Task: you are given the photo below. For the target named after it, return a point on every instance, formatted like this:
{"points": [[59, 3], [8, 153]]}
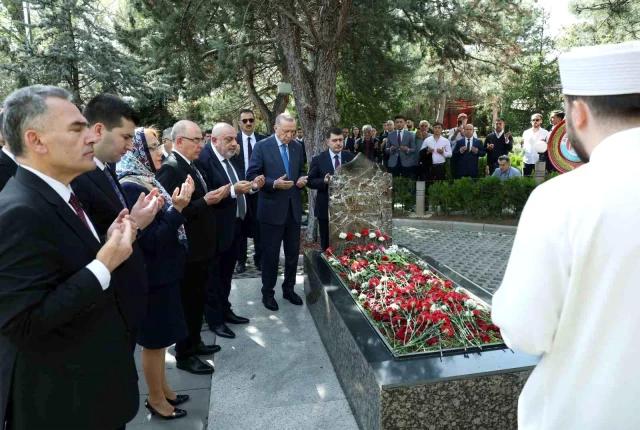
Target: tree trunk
{"points": [[314, 84], [442, 100]]}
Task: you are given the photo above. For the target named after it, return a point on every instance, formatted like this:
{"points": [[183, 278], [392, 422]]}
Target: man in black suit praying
{"points": [[323, 166]]}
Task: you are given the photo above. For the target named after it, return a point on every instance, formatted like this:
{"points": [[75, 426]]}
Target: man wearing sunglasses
{"points": [[247, 139], [529, 139]]}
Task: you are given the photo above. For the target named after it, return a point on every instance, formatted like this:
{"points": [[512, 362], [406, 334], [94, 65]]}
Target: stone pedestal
{"points": [[474, 391]]}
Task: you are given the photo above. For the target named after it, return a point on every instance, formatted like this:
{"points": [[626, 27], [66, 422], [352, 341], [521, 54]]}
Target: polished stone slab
{"points": [[414, 392]]}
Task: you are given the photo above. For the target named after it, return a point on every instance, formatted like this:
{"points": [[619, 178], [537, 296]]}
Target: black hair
{"points": [[109, 110], [333, 130]]}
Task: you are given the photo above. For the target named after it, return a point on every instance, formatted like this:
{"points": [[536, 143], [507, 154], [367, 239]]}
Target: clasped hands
{"points": [[243, 187], [282, 183]]}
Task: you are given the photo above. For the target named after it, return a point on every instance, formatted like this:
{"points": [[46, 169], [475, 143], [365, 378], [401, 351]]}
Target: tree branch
{"points": [[297, 23]]}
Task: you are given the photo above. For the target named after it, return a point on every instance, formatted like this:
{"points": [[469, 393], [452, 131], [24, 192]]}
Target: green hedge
{"points": [[484, 197]]}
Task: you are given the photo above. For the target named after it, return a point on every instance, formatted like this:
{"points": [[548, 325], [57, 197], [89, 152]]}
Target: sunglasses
{"points": [[248, 120]]}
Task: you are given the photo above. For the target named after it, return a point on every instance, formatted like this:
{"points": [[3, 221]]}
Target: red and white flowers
{"points": [[412, 307]]}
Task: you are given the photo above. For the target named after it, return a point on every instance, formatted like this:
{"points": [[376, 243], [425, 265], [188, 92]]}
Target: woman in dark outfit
{"points": [[164, 245]]}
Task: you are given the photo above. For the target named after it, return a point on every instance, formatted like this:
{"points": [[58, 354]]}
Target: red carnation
{"points": [[364, 232], [350, 236]]}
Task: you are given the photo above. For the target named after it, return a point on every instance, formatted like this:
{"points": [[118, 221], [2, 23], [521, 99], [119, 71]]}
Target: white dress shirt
{"points": [[245, 148], [529, 140], [570, 294], [96, 267], [442, 142]]}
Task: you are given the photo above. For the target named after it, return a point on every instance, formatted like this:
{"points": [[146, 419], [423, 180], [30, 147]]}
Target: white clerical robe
{"points": [[571, 293]]}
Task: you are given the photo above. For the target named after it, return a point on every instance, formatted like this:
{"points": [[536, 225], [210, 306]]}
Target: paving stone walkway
{"points": [[480, 256]]}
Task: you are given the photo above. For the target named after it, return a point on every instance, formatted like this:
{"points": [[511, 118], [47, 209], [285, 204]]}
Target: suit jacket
{"points": [[322, 164], [252, 199], [101, 203], [266, 160], [225, 211], [466, 164], [200, 225], [393, 149], [71, 365], [7, 168], [500, 147]]}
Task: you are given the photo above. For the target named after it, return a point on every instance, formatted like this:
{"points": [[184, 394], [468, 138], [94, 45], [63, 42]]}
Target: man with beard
{"points": [[575, 258]]}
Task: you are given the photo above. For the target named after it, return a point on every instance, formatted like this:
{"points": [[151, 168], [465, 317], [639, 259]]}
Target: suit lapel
{"points": [[98, 178], [62, 208]]}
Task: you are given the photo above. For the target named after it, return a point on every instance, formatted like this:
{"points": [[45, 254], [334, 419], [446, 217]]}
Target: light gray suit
{"points": [[407, 159]]}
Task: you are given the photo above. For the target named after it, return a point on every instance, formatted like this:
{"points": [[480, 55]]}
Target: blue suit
{"points": [[466, 164], [279, 211]]}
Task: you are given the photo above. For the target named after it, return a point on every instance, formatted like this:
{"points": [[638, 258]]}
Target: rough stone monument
{"points": [[360, 196]]}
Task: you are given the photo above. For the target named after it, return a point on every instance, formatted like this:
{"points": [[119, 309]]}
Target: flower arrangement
{"points": [[413, 308]]}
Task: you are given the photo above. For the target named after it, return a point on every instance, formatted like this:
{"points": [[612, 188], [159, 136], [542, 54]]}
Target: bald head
{"points": [[223, 137]]}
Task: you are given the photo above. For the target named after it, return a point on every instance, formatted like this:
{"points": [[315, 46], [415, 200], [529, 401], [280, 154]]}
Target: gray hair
{"points": [[284, 117], [166, 133], [366, 128], [179, 128], [23, 109]]}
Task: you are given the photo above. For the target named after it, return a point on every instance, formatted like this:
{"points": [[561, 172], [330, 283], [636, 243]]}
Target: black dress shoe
{"points": [[203, 349], [223, 331], [177, 413], [194, 365], [180, 399], [241, 268], [270, 303], [232, 318], [293, 298]]}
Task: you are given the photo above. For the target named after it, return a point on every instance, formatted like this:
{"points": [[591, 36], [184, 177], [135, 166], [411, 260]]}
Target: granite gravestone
{"points": [[359, 197]]}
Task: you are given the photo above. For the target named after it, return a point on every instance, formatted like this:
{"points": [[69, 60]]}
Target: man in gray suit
{"points": [[402, 150]]}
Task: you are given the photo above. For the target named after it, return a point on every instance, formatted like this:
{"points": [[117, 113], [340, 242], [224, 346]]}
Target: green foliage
{"points": [[404, 193], [611, 21], [481, 198]]}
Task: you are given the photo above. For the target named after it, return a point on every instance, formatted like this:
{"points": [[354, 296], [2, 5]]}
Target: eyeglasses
{"points": [[193, 139], [536, 120], [248, 120]]}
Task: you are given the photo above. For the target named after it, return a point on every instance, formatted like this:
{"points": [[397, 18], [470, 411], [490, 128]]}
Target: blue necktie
{"points": [[285, 159]]}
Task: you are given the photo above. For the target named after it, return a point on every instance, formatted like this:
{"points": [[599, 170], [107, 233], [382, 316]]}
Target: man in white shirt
{"points": [[63, 340], [530, 138], [440, 149], [570, 291]]}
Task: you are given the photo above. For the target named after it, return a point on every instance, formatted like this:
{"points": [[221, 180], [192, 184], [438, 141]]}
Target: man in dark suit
{"points": [[201, 233], [65, 361], [8, 163], [465, 155], [247, 139], [279, 159], [496, 144], [112, 122], [215, 161], [323, 166]]}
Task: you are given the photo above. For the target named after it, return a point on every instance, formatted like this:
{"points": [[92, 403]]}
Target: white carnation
{"points": [[470, 303], [357, 235], [381, 239], [372, 235], [354, 292], [433, 308], [384, 279], [444, 308], [394, 306], [364, 285], [468, 313], [362, 297], [342, 235]]}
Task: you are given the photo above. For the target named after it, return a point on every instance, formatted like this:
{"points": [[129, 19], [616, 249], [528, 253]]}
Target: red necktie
{"points": [[336, 163], [77, 207]]}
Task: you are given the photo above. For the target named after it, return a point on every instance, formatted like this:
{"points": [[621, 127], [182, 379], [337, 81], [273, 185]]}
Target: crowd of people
{"points": [[117, 234], [421, 154]]}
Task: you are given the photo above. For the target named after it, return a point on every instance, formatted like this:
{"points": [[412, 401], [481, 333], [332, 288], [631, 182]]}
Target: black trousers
{"points": [[529, 169], [251, 229], [323, 224], [219, 284], [287, 234], [192, 291], [438, 172]]}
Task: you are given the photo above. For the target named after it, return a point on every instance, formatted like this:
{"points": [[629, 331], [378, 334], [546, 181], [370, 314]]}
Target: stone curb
{"points": [[455, 225]]}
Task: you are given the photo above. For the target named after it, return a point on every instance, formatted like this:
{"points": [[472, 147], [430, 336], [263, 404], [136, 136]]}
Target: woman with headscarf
{"points": [[164, 245]]}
